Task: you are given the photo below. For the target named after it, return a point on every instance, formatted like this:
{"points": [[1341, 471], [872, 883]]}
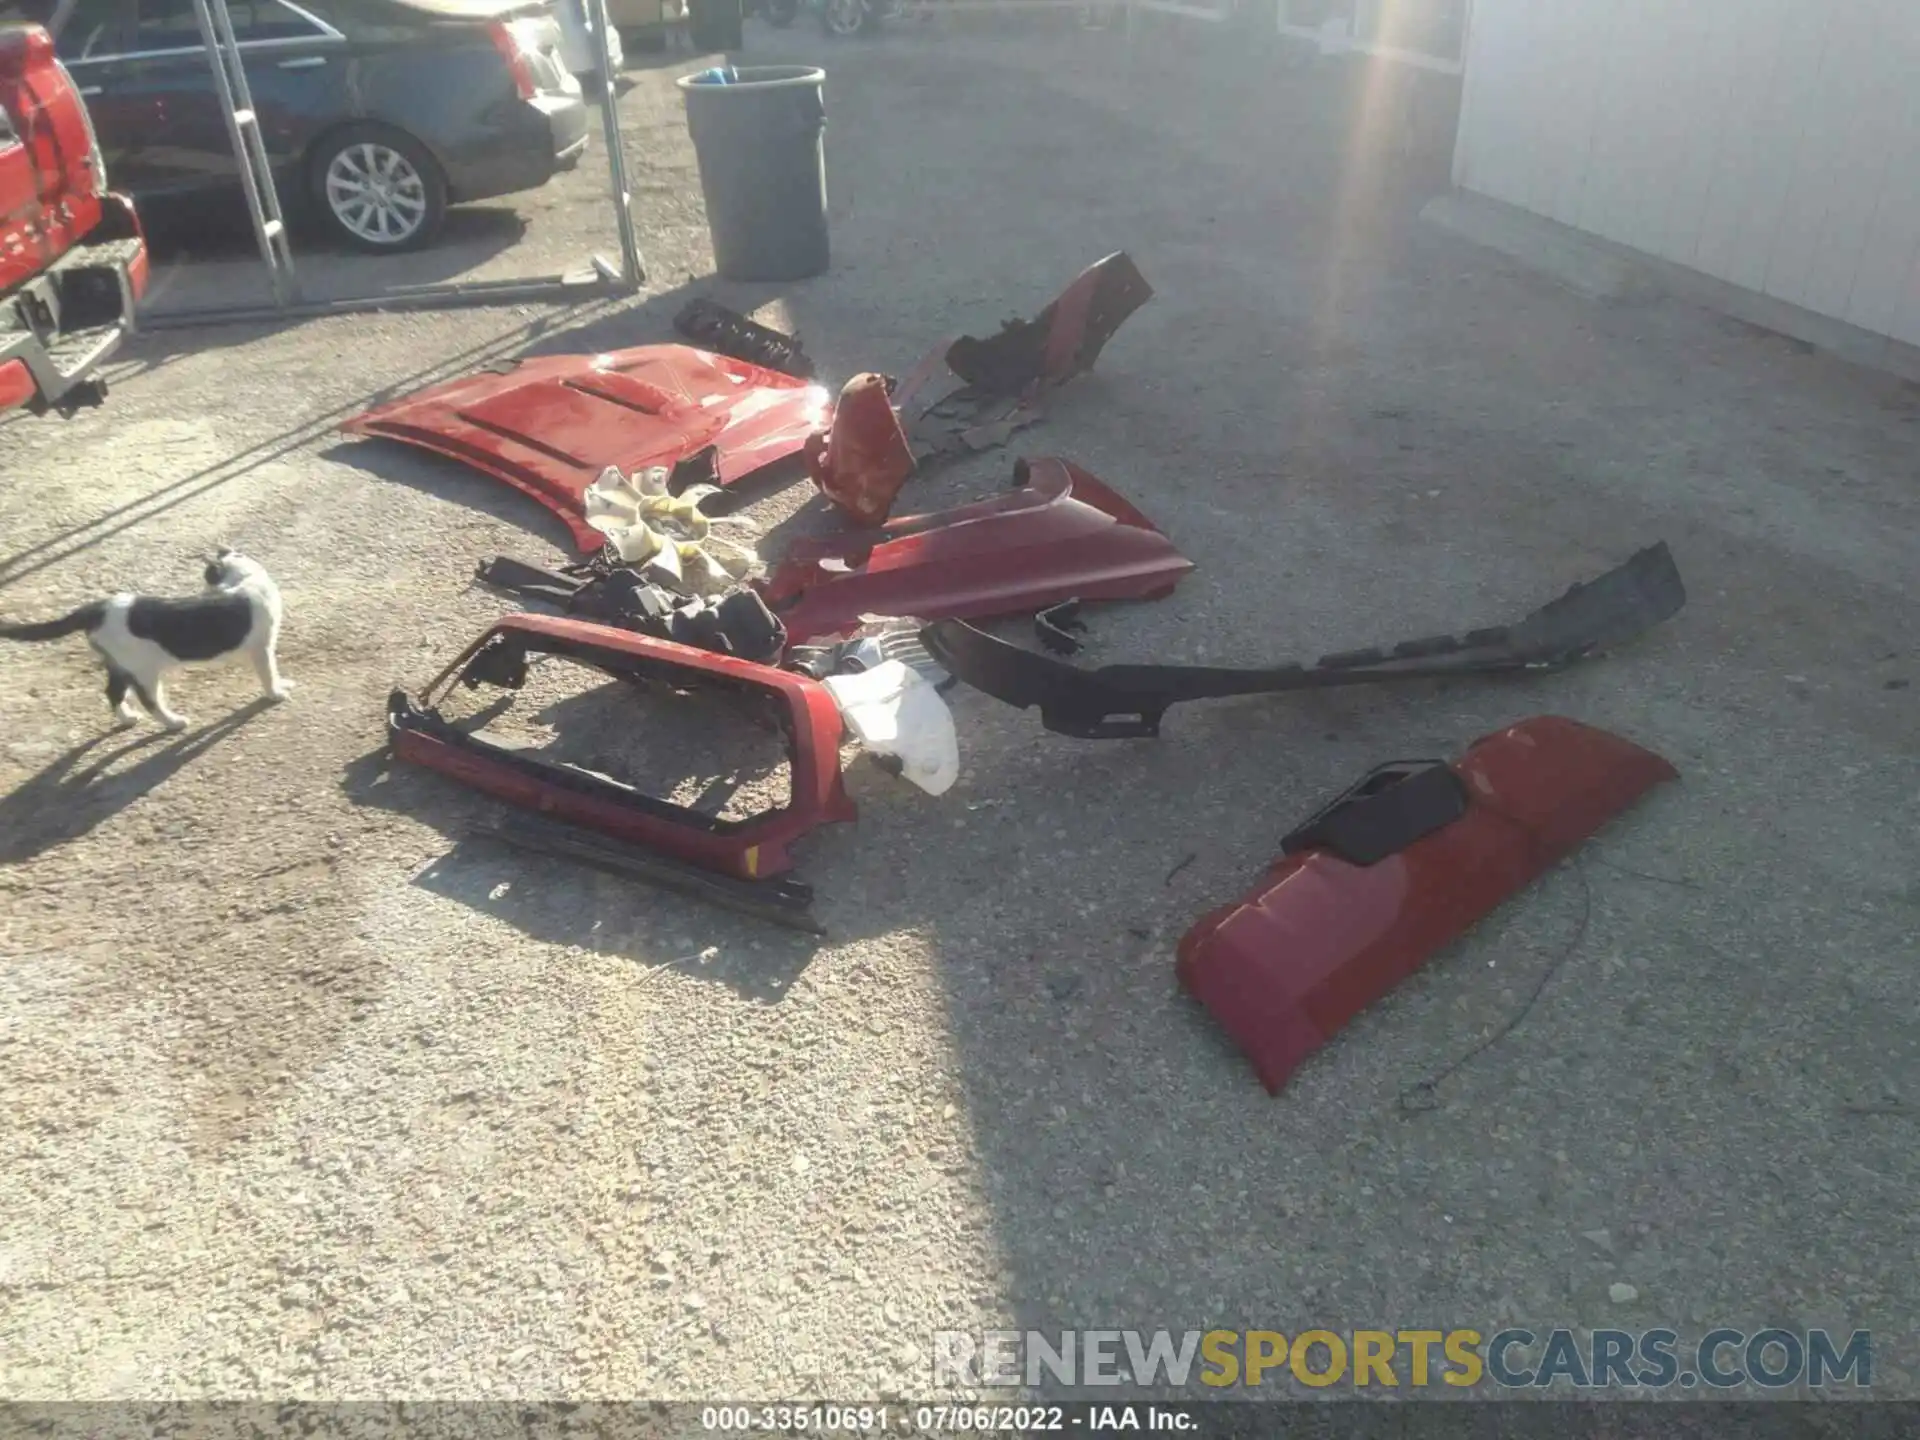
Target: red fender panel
{"points": [[1064, 535], [1284, 969], [549, 425]]}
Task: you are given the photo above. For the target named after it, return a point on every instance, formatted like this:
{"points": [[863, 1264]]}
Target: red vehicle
{"points": [[73, 262]]}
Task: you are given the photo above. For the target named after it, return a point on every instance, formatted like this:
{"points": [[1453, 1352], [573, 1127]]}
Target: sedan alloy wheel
{"points": [[377, 195]]}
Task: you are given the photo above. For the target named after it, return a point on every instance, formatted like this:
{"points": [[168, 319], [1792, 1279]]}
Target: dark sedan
{"points": [[377, 114]]}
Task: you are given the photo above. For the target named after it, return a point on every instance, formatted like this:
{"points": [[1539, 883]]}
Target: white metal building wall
{"points": [[1774, 144]]}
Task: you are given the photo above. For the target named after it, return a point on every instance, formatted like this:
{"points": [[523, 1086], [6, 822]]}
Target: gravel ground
{"points": [[306, 1092]]}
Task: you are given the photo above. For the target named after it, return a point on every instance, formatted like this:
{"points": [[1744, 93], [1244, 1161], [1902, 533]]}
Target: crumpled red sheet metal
{"points": [[549, 425], [863, 460], [1322, 937], [749, 849], [1064, 535], [971, 394], [1063, 339]]}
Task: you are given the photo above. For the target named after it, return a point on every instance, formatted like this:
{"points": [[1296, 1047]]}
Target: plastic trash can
{"points": [[759, 133]]}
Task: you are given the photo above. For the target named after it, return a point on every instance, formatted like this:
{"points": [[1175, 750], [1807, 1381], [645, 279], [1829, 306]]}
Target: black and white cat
{"points": [[143, 639]]}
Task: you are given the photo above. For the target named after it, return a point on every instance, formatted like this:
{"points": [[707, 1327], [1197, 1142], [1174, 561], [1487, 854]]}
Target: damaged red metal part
{"points": [[748, 849], [1063, 339], [1064, 535], [1320, 939], [863, 460], [971, 394], [549, 425]]}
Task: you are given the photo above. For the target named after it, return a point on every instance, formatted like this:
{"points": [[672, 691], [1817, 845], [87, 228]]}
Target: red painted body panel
{"points": [[58, 232], [551, 424], [16, 384], [49, 191], [1319, 940], [1063, 536], [862, 462], [750, 849]]}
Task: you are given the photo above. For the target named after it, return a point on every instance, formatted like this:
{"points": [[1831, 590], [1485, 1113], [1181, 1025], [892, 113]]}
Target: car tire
{"points": [[376, 189]]}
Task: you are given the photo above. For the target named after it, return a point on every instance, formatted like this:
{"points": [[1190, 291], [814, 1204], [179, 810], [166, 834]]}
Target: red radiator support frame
{"points": [[748, 849]]}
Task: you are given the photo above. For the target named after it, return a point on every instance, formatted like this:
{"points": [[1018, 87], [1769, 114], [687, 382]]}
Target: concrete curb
{"points": [[1562, 254], [1604, 271]]}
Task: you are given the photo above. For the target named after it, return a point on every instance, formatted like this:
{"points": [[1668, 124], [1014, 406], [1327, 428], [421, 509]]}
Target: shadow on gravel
{"points": [[207, 258], [563, 903], [447, 479], [81, 788], [579, 329], [58, 548]]}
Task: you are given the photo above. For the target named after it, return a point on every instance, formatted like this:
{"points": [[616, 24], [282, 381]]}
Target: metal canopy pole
{"points": [[633, 269], [243, 133], [600, 279]]}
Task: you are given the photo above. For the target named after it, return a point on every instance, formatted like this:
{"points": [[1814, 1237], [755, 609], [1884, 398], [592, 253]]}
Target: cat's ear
{"points": [[216, 568]]}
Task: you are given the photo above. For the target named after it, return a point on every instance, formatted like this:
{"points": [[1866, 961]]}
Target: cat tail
{"points": [[87, 617]]}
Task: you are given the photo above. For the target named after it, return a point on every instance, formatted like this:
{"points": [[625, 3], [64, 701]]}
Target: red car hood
{"points": [[550, 425]]}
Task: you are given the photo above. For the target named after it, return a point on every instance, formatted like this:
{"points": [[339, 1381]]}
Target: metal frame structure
{"points": [[601, 279]]}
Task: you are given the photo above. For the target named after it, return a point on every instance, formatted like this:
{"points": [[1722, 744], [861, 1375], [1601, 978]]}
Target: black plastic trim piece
{"points": [[712, 325], [1388, 809], [1128, 701], [738, 624], [1055, 628]]}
